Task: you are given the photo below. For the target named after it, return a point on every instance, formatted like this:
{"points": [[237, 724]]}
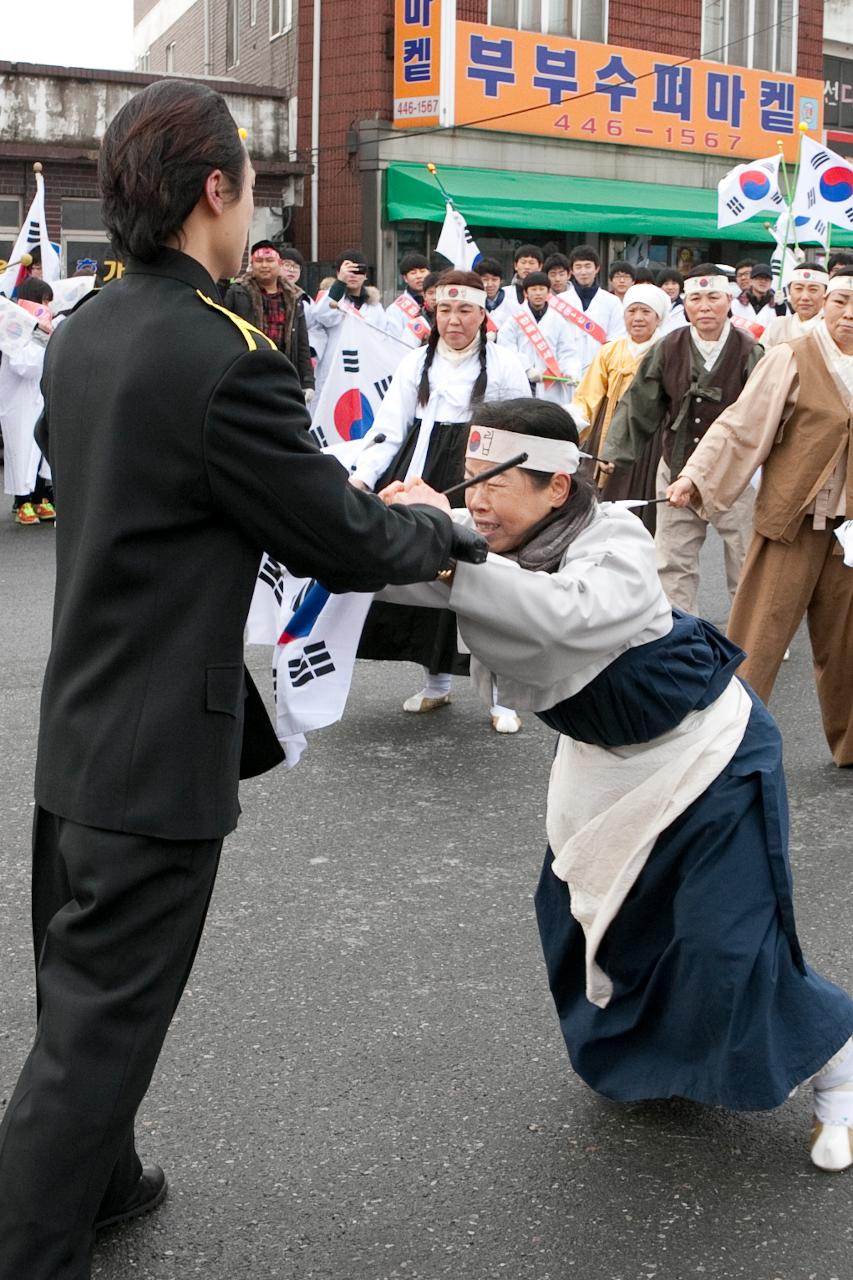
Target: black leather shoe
{"points": [[149, 1191]]}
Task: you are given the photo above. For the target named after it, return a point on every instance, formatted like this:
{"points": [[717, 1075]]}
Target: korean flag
{"points": [[749, 189], [824, 186]]}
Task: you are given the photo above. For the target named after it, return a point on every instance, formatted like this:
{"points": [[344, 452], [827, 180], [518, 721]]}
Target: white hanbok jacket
{"points": [[606, 310], [21, 404], [565, 346]]}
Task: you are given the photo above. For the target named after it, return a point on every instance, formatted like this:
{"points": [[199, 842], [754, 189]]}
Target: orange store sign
{"points": [[417, 62], [522, 82]]}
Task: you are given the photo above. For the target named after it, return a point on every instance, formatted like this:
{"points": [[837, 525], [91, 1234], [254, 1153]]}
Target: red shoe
{"points": [[45, 510]]}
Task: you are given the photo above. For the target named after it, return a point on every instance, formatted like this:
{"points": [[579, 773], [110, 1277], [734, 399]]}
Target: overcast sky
{"points": [[86, 33]]}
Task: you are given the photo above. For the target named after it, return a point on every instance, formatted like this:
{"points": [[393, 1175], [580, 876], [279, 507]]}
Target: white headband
{"points": [[461, 293], [650, 296], [839, 282], [809, 275], [492, 445], [706, 284]]}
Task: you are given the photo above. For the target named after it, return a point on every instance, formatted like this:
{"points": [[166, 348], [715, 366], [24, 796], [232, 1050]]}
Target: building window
{"points": [[751, 33], [10, 225], [170, 56], [83, 234], [253, 12], [281, 17], [232, 33], [143, 62], [580, 19]]}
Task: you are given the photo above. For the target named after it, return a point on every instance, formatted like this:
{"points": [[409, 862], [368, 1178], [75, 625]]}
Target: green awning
{"points": [[545, 201]]}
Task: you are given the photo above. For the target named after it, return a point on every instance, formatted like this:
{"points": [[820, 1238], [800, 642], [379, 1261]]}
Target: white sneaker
{"points": [[506, 723], [420, 702], [831, 1146]]}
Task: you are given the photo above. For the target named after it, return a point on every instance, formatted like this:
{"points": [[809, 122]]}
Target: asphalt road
{"points": [[365, 1080]]}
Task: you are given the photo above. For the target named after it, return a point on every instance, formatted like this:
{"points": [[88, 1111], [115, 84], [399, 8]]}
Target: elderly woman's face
{"points": [[640, 321], [505, 508]]}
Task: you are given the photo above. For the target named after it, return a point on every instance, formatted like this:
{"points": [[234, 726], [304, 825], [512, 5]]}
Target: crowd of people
{"points": [[665, 904]]}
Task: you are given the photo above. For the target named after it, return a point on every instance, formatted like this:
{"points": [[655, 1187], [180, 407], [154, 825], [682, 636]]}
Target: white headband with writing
{"points": [[706, 284], [839, 282], [493, 445], [809, 275], [461, 293]]}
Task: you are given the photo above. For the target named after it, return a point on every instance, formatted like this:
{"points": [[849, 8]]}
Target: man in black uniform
{"points": [[177, 437]]}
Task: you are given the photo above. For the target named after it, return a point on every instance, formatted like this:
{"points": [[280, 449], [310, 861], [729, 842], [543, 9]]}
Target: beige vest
{"points": [[806, 450]]}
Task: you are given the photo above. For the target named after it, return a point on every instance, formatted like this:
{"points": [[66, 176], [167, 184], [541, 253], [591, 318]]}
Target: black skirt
{"points": [[407, 633]]}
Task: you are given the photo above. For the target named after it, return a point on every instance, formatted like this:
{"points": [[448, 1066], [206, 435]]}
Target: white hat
{"points": [[650, 296]]}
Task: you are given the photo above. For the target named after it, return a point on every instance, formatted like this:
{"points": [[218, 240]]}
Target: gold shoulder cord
{"points": [[249, 332]]}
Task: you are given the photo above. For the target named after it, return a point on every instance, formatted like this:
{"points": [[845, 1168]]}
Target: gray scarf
{"points": [[546, 543]]}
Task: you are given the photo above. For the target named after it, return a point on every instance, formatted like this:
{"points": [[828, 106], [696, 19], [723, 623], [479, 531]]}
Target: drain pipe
{"points": [[315, 131]]}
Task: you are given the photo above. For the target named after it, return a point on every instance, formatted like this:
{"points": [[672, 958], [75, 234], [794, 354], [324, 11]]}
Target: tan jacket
{"points": [[795, 418]]}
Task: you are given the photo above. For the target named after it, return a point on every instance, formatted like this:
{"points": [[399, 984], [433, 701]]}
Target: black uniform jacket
{"points": [[178, 441]]}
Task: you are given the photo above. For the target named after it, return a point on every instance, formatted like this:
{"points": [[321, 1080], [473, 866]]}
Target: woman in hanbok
{"points": [[664, 905], [421, 429]]}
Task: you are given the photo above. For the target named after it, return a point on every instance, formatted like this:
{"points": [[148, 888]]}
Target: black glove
{"points": [[468, 545]]}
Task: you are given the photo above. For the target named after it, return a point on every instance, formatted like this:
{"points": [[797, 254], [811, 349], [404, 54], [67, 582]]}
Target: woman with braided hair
{"points": [[421, 429]]}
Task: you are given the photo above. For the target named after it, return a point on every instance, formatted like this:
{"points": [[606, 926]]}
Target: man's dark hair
{"points": [[154, 159], [744, 262], [621, 265], [704, 269], [812, 266], [555, 261], [432, 280], [289, 254], [841, 259], [671, 273], [349, 255], [644, 275], [528, 251], [584, 253], [489, 267], [35, 290], [35, 254], [411, 262], [535, 277]]}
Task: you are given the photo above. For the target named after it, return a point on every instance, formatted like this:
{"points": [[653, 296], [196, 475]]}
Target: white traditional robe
{"points": [[606, 310], [397, 321], [565, 346], [21, 404]]}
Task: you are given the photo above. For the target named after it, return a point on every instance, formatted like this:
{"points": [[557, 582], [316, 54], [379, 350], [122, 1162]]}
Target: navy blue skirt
{"points": [[712, 1000]]}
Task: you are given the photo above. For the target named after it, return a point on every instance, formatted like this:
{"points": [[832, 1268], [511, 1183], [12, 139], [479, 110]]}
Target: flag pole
{"points": [[433, 169], [790, 202]]}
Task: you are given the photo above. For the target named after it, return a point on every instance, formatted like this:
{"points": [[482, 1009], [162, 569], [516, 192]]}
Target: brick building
{"points": [[369, 186], [350, 173]]}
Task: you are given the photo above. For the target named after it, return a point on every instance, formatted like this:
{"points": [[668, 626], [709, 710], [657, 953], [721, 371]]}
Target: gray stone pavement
{"points": [[366, 1080]]}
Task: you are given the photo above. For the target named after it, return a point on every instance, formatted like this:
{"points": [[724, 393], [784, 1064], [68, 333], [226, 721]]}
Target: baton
{"points": [[637, 502], [486, 475]]}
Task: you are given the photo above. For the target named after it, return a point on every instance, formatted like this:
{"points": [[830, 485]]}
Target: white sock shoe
{"points": [[832, 1132], [435, 693], [504, 719]]}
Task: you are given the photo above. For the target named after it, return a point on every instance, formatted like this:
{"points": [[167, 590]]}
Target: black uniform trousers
{"points": [[116, 923]]}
